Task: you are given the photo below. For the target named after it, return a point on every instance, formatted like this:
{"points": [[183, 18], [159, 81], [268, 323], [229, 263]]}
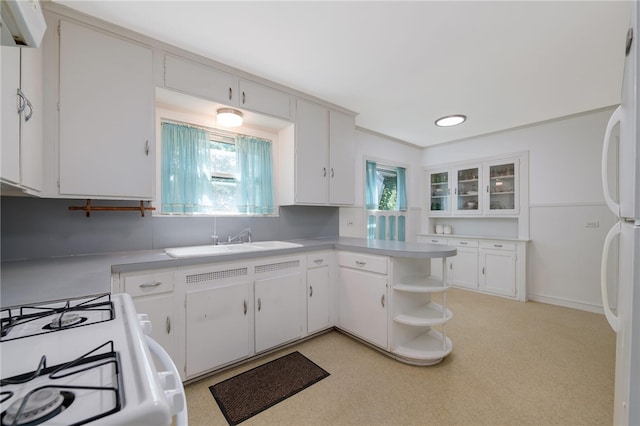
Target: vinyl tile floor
{"points": [[512, 363]]}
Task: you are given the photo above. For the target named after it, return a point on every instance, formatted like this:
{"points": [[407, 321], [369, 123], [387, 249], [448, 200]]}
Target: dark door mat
{"points": [[249, 393]]}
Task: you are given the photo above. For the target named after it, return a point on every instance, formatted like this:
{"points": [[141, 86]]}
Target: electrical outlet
{"points": [[592, 224]]}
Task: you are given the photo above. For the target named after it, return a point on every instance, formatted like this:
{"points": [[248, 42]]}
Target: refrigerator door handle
{"points": [[611, 318], [616, 118]]}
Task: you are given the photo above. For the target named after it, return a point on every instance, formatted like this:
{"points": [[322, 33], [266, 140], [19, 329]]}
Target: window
{"points": [[206, 171], [386, 201]]}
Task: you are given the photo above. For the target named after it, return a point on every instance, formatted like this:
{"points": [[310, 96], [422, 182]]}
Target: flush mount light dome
{"points": [[229, 117], [451, 120]]}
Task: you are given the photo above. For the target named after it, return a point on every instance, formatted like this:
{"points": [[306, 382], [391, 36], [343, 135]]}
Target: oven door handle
{"points": [[175, 395]]}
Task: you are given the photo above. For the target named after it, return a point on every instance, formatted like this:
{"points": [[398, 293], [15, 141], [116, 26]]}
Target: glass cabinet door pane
{"points": [[440, 191], [502, 187], [467, 189]]}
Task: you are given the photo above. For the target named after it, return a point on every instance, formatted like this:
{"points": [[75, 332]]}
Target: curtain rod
{"points": [[220, 132]]}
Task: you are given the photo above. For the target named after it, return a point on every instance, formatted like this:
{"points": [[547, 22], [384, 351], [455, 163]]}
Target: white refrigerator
{"points": [[621, 185]]}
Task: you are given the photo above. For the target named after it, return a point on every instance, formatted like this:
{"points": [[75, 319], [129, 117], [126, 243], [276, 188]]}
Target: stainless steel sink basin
{"points": [[214, 250]]}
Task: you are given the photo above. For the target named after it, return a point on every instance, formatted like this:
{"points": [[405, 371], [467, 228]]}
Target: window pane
{"points": [[223, 158], [224, 191]]}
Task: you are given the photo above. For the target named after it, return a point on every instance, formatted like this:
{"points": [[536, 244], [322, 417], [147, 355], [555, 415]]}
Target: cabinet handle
{"points": [[434, 241], [310, 291], [146, 147], [483, 270], [324, 172], [451, 266], [455, 191], [150, 285], [168, 325], [230, 93], [332, 173], [259, 304], [382, 301], [360, 263], [244, 304], [30, 113], [318, 261], [22, 101], [497, 245], [463, 243], [244, 98]]}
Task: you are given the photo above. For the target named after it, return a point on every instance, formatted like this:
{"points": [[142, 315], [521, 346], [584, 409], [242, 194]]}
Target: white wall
{"points": [[565, 193], [369, 145]]}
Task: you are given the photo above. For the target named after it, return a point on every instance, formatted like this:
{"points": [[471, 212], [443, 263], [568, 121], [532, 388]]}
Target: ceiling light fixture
{"points": [[451, 120], [229, 117]]}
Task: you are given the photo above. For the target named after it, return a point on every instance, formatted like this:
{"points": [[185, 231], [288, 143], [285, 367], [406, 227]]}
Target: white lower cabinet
{"points": [[154, 294], [279, 302], [498, 268], [488, 265], [362, 295], [318, 291], [462, 269], [218, 312]]}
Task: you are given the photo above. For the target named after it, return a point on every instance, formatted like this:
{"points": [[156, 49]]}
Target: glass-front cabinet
{"points": [[467, 190], [489, 188], [439, 193], [502, 180]]}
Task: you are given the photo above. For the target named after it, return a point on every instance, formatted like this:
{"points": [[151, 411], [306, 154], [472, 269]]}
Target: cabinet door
{"points": [[439, 193], [106, 115], [31, 129], [199, 80], [363, 305], [217, 327], [462, 269], [317, 298], [498, 272], [278, 310], [312, 153], [10, 142], [260, 98], [161, 308], [467, 190], [341, 149], [502, 187]]}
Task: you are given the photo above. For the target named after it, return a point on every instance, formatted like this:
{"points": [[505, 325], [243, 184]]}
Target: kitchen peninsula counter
{"points": [[36, 280]]}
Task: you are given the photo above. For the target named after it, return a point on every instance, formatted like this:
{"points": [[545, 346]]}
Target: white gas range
{"points": [[83, 361]]}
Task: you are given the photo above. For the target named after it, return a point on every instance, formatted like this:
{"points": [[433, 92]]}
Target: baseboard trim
{"points": [[566, 303]]}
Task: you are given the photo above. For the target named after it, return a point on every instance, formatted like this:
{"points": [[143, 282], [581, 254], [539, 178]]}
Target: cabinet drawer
{"points": [[315, 260], [462, 243], [140, 285], [364, 262], [432, 240], [498, 245]]}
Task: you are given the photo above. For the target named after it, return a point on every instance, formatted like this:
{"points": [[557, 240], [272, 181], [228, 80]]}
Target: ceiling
{"points": [[401, 65]]}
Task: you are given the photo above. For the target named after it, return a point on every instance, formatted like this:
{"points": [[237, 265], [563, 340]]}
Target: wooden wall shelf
{"points": [[88, 208]]}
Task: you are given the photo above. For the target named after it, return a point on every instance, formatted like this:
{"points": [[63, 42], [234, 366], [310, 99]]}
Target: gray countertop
{"points": [[37, 280]]}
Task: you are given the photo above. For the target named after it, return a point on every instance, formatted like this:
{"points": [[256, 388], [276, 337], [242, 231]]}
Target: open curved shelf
{"points": [[426, 315], [426, 349], [421, 285]]}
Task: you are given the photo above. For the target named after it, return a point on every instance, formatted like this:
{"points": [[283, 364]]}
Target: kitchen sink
{"points": [[214, 250]]}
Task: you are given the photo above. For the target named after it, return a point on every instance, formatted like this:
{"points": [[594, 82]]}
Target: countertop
{"points": [[37, 280]]}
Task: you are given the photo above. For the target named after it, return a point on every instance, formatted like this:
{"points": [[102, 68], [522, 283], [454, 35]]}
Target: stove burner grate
{"points": [[37, 407], [43, 403], [70, 311]]}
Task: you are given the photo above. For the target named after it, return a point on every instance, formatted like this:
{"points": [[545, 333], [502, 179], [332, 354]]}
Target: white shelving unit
{"points": [[415, 315]]}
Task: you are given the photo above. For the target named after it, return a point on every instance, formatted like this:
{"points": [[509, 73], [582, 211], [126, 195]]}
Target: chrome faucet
{"points": [[238, 237]]}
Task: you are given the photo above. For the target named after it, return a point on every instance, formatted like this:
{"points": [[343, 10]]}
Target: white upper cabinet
{"points": [[210, 83], [22, 118], [501, 179], [260, 98], [489, 188], [199, 80], [320, 158], [106, 115], [342, 130]]}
